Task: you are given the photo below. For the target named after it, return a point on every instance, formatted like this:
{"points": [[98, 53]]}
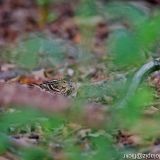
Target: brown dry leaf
{"points": [[3, 158], [83, 133], [8, 75], [74, 126], [65, 28], [95, 113], [127, 139], [7, 66], [155, 81], [77, 38], [98, 74], [60, 155], [9, 156], [25, 142], [151, 111], [29, 80], [40, 74], [101, 35]]}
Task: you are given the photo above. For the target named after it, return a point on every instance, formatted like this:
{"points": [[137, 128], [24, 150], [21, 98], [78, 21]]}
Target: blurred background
{"points": [[91, 49]]}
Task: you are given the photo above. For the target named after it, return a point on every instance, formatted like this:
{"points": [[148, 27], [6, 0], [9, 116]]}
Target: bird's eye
{"points": [[64, 82]]}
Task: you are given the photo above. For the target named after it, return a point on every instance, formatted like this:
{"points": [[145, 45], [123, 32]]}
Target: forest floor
{"points": [[64, 47]]}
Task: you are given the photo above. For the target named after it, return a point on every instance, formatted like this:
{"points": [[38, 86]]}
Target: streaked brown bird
{"points": [[64, 87]]}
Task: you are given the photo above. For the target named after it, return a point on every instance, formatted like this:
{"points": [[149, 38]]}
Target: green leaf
{"points": [[125, 11], [4, 143], [109, 88], [52, 123], [131, 113], [124, 48], [28, 52], [104, 149], [18, 118], [44, 2], [54, 49], [148, 33], [87, 8], [35, 154]]}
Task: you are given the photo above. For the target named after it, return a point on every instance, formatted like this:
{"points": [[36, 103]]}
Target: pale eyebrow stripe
{"points": [[51, 87]]}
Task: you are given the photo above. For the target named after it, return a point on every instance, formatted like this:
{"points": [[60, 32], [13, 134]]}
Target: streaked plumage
{"points": [[61, 86]]}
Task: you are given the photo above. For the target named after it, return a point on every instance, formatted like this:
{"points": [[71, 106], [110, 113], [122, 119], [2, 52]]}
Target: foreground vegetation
{"points": [[94, 46]]}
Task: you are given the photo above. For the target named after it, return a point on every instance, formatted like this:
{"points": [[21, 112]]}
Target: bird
{"points": [[64, 87]]}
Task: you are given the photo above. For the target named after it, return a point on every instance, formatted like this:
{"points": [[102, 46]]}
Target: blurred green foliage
{"points": [[35, 154], [87, 8], [44, 2], [4, 143], [125, 12], [131, 114], [133, 44], [18, 118], [130, 45], [35, 48], [102, 92], [28, 53], [148, 33], [104, 149], [124, 48]]}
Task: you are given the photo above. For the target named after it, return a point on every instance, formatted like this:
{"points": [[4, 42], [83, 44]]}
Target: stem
{"points": [[43, 14], [144, 71]]}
